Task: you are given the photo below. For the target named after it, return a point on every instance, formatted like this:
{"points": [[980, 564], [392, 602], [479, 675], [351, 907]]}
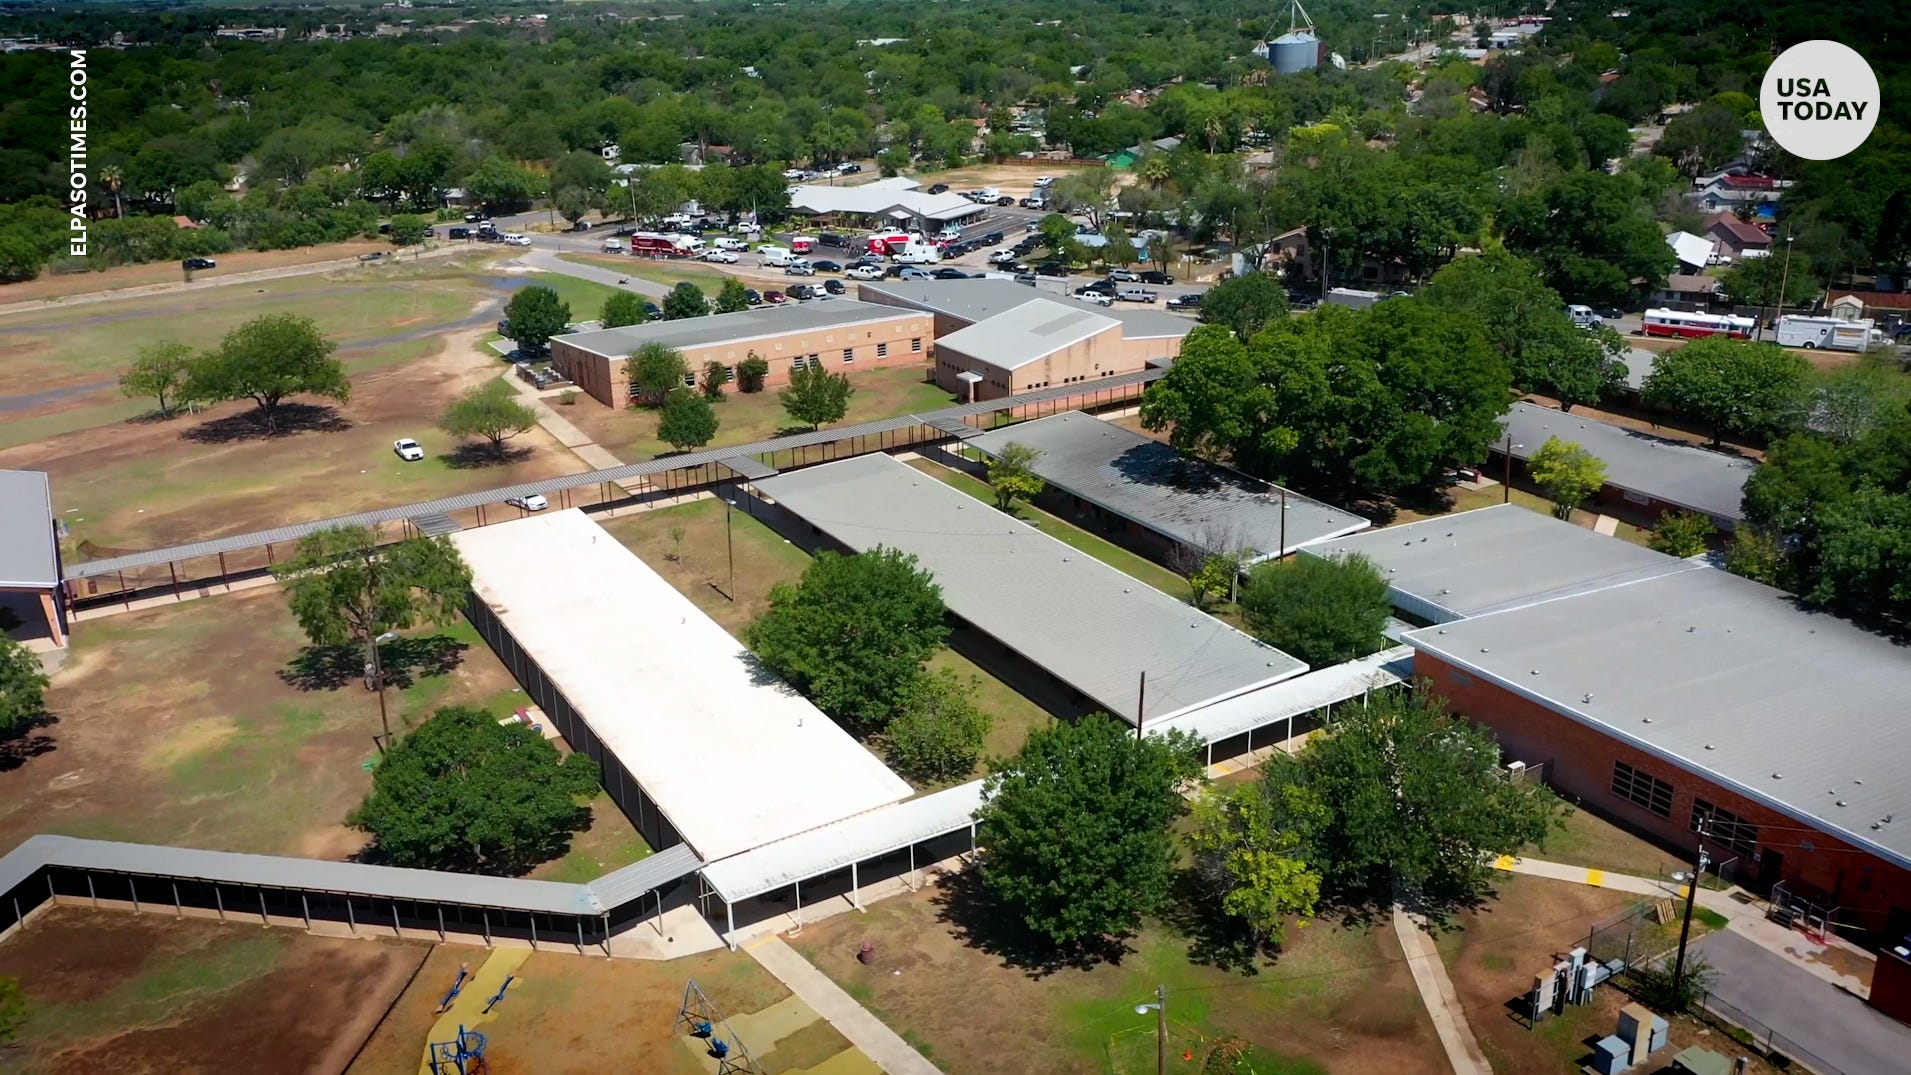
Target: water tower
{"points": [[1298, 49]]}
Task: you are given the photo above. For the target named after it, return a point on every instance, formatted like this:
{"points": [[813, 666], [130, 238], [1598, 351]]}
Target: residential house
{"points": [[1735, 237]]}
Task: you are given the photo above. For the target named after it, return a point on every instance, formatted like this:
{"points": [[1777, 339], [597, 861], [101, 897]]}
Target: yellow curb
{"points": [[1504, 862], [1596, 878]]}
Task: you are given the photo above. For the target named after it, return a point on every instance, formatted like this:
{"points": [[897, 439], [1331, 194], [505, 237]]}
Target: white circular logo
{"points": [[1819, 100]]}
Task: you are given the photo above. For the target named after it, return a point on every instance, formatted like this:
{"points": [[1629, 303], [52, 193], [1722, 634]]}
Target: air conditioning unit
{"points": [[1516, 767]]}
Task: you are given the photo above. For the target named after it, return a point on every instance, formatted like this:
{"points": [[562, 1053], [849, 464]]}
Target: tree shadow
{"points": [[460, 859], [27, 741], [294, 418], [975, 919], [404, 661], [479, 456], [791, 431], [1214, 938], [155, 416]]}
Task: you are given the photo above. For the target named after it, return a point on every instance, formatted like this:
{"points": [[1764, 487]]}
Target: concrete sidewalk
{"points": [[1437, 994], [839, 1009]]}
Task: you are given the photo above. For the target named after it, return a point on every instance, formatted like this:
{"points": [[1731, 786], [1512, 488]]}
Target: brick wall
{"points": [[1871, 893]]}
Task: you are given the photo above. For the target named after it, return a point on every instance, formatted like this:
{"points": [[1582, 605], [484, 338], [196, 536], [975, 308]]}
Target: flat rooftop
{"points": [[29, 556], [753, 324], [1029, 332], [973, 300], [1723, 677], [1656, 468], [734, 760], [1475, 562], [1194, 502], [1084, 622]]}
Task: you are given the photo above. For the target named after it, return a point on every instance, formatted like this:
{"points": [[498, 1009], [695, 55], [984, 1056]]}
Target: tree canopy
{"points": [[344, 589], [1526, 323], [267, 359], [23, 684], [688, 420], [1321, 611], [656, 371], [1731, 388], [854, 633], [623, 308], [490, 412], [159, 370], [1568, 472], [938, 731], [1074, 828], [464, 792], [1011, 477], [685, 300], [1245, 304], [816, 396], [533, 316]]}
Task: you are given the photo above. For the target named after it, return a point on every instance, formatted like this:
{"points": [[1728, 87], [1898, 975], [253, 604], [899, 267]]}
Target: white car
{"points": [[799, 268], [1096, 298], [409, 450], [865, 272], [514, 239], [728, 257], [795, 173], [1002, 257], [534, 502], [724, 242]]}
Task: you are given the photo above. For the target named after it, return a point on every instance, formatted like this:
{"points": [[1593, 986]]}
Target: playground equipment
{"points": [[464, 1056], [703, 1021], [457, 986], [499, 995]]}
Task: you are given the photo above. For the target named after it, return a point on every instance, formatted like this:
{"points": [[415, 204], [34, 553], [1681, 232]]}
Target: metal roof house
{"points": [[30, 557], [1067, 614], [1654, 474], [1186, 501]]}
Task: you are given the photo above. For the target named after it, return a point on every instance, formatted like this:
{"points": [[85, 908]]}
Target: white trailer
{"points": [[1352, 298], [1828, 333]]}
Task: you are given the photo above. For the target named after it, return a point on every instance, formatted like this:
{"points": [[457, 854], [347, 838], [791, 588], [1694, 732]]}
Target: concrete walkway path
{"points": [[1436, 992], [852, 1020]]}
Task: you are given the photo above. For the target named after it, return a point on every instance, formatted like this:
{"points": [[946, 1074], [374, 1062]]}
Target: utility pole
{"points": [[377, 670], [1161, 1030], [1691, 893], [1506, 487], [1141, 703], [729, 548], [1281, 553], [1784, 279]]}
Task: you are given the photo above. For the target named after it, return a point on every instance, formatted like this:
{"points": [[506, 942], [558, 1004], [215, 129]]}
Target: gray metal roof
{"points": [[1723, 677], [1194, 502], [29, 555], [1088, 624], [435, 524], [644, 876], [1030, 332], [747, 467], [754, 323], [1671, 471], [726, 456], [974, 299], [1295, 697], [1474, 562]]}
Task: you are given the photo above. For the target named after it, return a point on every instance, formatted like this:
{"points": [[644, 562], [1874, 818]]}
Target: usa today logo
{"points": [[1819, 100]]}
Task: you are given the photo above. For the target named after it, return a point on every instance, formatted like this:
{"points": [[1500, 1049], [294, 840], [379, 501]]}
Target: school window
{"points": [[729, 374], [882, 350], [915, 345], [1725, 827], [1642, 789], [690, 380], [849, 355], [798, 363]]}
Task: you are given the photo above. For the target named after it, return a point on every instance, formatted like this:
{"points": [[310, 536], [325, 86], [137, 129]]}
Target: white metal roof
{"points": [[1723, 677], [1293, 698], [1689, 248], [873, 200], [1670, 471], [1086, 623], [1190, 500], [1028, 333], [731, 757], [1474, 562], [29, 558], [855, 839]]}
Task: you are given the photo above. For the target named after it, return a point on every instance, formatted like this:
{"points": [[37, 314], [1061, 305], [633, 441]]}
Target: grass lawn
{"points": [[743, 418], [700, 571], [584, 297], [1338, 999], [1588, 840], [187, 724], [667, 273]]}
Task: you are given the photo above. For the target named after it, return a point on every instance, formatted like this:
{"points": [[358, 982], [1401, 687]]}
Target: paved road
{"points": [[1839, 1028]]}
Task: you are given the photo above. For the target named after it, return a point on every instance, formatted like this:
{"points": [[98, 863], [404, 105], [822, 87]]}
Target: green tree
{"points": [[892, 161], [464, 792], [1682, 533], [1074, 828], [1247, 866], [1398, 798], [688, 420], [1012, 477], [533, 316], [1573, 365], [267, 359], [1864, 558], [621, 309], [23, 685], [1591, 233], [572, 203], [1526, 323], [817, 396], [345, 590], [656, 370], [1161, 252], [1058, 234], [854, 633], [685, 300], [1568, 472], [751, 372], [490, 412], [733, 298], [1321, 611], [1755, 554], [938, 731], [1734, 388], [409, 230], [715, 376], [1246, 304], [1118, 249], [1755, 282], [159, 370]]}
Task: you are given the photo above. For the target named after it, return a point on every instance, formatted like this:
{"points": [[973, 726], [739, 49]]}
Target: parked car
{"points": [[1609, 313], [727, 257], [948, 272], [1124, 276], [993, 238], [795, 173], [534, 502], [473, 218], [652, 311], [827, 266], [910, 272], [865, 271], [801, 292], [1004, 201], [1025, 278], [799, 268], [1052, 268], [458, 233], [1098, 298], [774, 298], [409, 450], [833, 286], [848, 168], [1157, 277], [1190, 301], [515, 239], [830, 238], [376, 255], [199, 263], [753, 296], [1099, 287], [1002, 257], [725, 242], [1136, 294], [938, 188]]}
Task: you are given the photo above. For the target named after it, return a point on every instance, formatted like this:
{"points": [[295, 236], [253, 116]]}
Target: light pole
{"points": [[375, 671], [1160, 1008], [1326, 257], [730, 549], [1691, 893], [1784, 280]]}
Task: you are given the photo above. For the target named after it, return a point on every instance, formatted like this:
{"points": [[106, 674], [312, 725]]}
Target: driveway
{"points": [[1836, 1027]]}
